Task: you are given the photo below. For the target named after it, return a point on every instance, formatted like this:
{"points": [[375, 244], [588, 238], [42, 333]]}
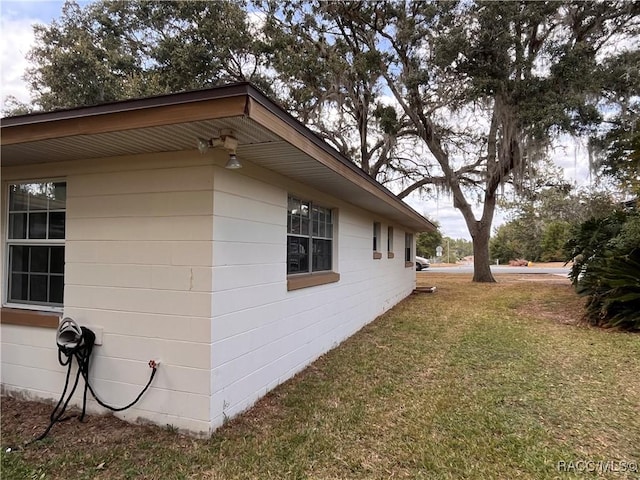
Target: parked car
{"points": [[421, 263]]}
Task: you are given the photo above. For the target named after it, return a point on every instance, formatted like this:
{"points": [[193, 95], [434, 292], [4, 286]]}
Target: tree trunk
{"points": [[480, 234], [481, 261]]}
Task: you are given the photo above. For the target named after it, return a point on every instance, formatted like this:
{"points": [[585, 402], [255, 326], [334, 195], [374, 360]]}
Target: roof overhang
{"points": [[267, 136]]}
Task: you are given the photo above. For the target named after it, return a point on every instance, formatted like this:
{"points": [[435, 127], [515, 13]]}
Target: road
{"points": [[468, 269]]}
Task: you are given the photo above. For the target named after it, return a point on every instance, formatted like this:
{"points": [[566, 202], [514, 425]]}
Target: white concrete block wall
{"points": [[30, 362], [263, 334], [151, 217], [174, 258], [138, 266]]}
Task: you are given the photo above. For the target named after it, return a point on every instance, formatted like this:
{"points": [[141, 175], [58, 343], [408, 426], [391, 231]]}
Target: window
{"points": [[309, 237], [376, 240], [376, 236], [390, 242], [35, 243], [408, 246]]}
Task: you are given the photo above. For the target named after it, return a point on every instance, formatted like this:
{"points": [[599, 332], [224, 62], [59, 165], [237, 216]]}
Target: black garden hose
{"points": [[82, 353]]}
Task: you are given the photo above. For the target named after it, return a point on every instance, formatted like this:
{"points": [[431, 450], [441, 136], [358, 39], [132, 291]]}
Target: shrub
{"points": [[613, 291], [606, 268]]}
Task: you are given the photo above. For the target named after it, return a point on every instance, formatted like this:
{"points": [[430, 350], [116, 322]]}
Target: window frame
{"points": [[390, 253], [30, 312], [310, 277]]}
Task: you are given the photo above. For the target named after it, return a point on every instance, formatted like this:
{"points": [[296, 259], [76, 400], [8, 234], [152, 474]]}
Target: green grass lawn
{"points": [[474, 381]]}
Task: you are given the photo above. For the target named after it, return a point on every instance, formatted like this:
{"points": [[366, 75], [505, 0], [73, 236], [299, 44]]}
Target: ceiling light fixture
{"points": [[233, 163], [225, 140]]}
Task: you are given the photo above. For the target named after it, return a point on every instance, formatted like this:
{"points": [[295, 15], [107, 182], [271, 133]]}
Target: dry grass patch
{"points": [[473, 381]]}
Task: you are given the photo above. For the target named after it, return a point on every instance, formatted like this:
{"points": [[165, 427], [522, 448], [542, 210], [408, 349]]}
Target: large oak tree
{"points": [[459, 96], [485, 87]]}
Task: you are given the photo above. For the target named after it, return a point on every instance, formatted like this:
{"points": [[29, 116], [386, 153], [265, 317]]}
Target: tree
{"points": [[197, 44], [483, 87], [114, 50], [554, 237], [618, 153], [81, 59], [332, 84], [427, 242], [617, 143], [13, 106], [456, 248], [505, 245], [539, 223]]}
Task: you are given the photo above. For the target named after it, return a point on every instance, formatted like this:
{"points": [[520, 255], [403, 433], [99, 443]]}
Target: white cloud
{"points": [[17, 39]]}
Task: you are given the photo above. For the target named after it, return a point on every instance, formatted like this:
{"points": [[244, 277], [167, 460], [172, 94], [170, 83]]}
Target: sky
{"points": [[16, 35], [16, 38]]}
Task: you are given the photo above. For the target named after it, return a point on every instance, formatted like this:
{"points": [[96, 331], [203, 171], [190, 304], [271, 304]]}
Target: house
{"points": [[233, 278]]}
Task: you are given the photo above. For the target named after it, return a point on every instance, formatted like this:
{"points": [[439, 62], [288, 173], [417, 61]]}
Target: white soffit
{"points": [[166, 138]]}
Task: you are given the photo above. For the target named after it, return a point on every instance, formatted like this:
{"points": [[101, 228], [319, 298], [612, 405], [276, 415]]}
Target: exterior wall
{"points": [[263, 334], [172, 257], [138, 263]]}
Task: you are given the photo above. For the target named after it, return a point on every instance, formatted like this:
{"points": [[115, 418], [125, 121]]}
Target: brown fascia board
{"points": [[224, 101], [231, 90]]}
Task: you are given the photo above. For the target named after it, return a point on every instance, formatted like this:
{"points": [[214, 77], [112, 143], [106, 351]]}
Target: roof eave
{"points": [[240, 99]]}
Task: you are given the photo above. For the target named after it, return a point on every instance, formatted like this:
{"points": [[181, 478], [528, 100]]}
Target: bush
{"points": [[613, 291], [606, 269]]}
